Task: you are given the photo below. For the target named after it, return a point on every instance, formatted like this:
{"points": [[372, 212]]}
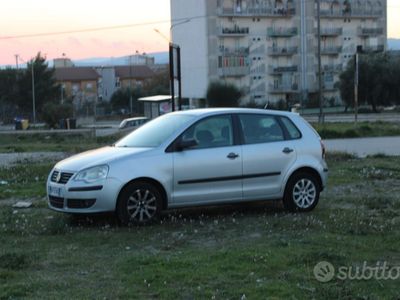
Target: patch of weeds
{"points": [[14, 261], [382, 203], [351, 133], [311, 258], [336, 156], [25, 180], [13, 291], [377, 155], [365, 128], [371, 172]]}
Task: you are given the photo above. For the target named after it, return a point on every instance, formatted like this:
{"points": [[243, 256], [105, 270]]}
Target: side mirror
{"points": [[186, 144]]}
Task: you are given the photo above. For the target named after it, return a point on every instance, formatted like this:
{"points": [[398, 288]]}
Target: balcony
{"points": [[376, 48], [330, 50], [283, 88], [256, 10], [225, 51], [330, 31], [331, 68], [352, 13], [282, 51], [279, 70], [369, 31], [281, 31], [234, 71], [236, 31]]}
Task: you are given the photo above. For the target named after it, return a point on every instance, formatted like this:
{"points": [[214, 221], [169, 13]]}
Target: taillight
{"points": [[323, 149]]}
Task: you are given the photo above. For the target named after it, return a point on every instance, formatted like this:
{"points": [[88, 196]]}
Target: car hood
{"points": [[97, 157]]}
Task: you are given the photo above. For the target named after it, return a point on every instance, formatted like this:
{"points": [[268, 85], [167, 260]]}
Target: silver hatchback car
{"points": [[195, 157]]}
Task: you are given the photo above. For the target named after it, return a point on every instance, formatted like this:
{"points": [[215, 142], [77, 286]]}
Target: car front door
{"points": [[267, 155], [211, 170]]}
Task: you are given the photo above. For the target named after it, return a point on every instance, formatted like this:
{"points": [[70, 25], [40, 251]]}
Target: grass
{"points": [[54, 143], [362, 129], [247, 251]]}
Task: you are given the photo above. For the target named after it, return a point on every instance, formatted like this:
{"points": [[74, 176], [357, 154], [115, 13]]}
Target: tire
{"points": [[301, 192], [139, 203]]}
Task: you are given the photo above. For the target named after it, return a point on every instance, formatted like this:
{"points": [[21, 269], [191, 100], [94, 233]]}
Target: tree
{"points": [[46, 89], [157, 85], [379, 76], [8, 93], [120, 100], [221, 94]]}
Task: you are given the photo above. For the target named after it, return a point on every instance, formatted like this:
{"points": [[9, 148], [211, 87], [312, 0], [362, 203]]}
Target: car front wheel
{"points": [[139, 203], [301, 193]]}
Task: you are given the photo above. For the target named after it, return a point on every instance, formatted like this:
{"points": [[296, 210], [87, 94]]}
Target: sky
{"points": [[27, 17]]}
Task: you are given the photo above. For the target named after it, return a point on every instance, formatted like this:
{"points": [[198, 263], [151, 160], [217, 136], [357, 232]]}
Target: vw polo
{"points": [[192, 158]]}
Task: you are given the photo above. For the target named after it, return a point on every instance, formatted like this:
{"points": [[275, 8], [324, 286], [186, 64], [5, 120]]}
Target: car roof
{"points": [[213, 111]]}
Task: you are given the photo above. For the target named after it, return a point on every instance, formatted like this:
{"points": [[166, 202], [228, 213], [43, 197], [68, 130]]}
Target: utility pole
{"points": [[321, 116], [33, 92], [16, 61]]}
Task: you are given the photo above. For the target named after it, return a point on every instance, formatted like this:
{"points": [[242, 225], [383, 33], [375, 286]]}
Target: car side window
{"points": [[260, 129], [211, 132], [292, 130]]}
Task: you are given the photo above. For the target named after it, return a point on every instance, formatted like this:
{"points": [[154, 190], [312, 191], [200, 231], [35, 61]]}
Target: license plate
{"points": [[55, 191]]}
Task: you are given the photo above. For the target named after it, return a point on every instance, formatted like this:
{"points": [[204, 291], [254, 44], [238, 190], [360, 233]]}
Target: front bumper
{"points": [[79, 197]]}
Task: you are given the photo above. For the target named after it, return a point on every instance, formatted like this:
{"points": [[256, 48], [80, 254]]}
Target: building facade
{"points": [[268, 48]]}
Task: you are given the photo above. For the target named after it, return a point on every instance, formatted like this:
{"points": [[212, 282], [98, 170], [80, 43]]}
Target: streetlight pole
{"points": [[321, 116], [130, 85]]}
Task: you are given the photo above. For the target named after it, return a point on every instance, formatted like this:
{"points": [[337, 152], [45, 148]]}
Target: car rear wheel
{"points": [[139, 203], [301, 193]]}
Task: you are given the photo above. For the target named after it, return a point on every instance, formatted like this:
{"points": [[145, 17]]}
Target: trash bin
{"points": [[24, 124], [18, 124], [72, 123], [61, 124]]}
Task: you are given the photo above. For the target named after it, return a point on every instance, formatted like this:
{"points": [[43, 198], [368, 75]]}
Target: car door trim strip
{"points": [[228, 178]]}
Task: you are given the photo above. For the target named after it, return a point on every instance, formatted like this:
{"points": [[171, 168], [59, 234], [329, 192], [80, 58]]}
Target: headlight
{"points": [[92, 174]]}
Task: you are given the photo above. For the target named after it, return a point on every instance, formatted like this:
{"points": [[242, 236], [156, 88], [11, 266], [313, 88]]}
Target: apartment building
{"points": [[268, 48]]}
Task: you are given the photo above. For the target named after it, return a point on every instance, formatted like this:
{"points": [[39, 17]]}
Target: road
{"points": [[366, 146]]}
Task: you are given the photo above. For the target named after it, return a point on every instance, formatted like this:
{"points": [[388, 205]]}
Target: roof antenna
{"points": [[266, 105]]}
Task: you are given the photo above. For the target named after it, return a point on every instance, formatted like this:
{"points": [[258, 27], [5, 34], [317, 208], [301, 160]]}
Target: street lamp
{"points": [[33, 87]]}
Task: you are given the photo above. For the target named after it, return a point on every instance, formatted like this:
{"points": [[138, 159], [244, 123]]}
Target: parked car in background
{"points": [[132, 123], [195, 157]]}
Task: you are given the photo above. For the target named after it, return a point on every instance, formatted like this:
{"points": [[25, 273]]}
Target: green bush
{"points": [[53, 113], [222, 94]]}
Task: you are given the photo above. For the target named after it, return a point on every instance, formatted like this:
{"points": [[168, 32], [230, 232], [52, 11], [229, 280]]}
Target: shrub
{"points": [[52, 113]]}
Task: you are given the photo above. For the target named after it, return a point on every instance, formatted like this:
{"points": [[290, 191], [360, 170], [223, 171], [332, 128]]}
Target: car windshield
{"points": [[154, 133]]}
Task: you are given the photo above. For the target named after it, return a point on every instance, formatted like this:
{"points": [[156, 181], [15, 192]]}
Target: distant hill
{"points": [[394, 44], [159, 57]]}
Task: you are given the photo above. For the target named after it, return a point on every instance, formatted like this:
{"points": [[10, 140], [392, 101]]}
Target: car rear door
{"points": [[211, 171], [267, 155]]}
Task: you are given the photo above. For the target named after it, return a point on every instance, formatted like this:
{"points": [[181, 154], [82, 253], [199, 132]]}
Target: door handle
{"points": [[232, 155], [287, 150]]}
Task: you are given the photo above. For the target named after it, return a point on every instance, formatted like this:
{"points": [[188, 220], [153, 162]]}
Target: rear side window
{"points": [[292, 130], [260, 129]]}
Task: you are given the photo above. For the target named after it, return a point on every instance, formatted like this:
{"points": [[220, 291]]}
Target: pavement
{"points": [[365, 146]]}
